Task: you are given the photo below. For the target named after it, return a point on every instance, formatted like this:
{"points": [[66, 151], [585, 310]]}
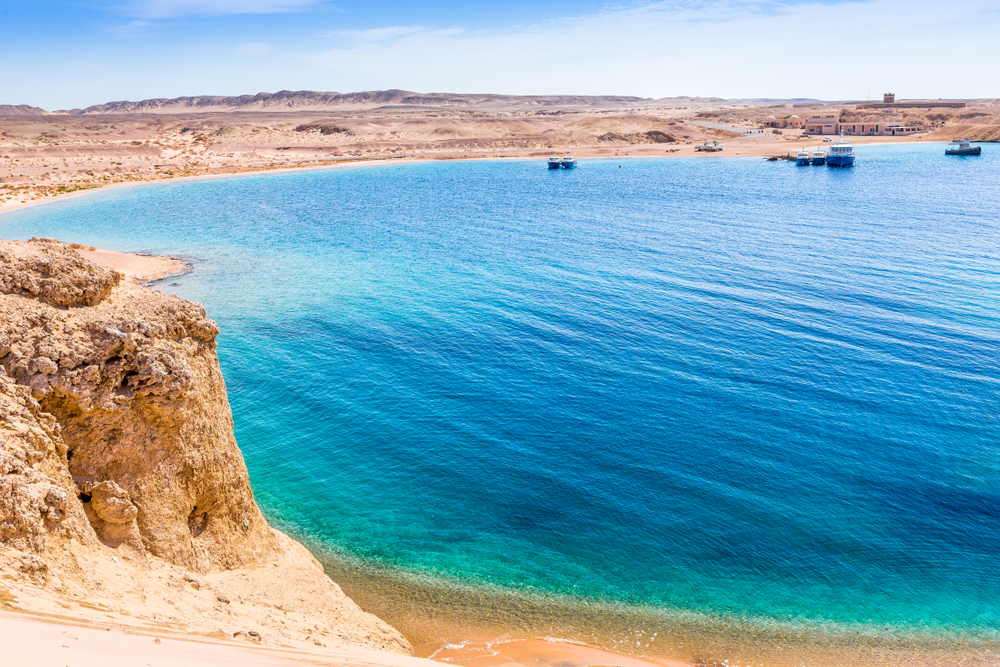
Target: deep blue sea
{"points": [[714, 385]]}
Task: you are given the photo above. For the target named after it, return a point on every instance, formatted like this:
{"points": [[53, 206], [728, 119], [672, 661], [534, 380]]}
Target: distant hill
{"points": [[307, 100], [20, 110]]}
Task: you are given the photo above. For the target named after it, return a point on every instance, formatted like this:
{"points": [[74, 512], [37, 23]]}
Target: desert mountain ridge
{"points": [[12, 110], [308, 100], [286, 101]]}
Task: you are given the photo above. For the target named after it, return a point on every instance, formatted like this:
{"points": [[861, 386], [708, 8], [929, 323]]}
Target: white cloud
{"points": [[172, 9], [131, 28], [254, 49], [379, 35], [728, 48], [393, 33]]}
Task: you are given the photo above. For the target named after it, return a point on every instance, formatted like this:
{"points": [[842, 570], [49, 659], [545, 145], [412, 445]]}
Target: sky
{"points": [[63, 55]]}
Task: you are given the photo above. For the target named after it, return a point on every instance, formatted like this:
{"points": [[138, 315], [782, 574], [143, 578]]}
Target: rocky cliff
{"points": [[120, 478]]}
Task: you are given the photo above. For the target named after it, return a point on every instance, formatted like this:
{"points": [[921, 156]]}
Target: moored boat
{"points": [[841, 154], [802, 159], [818, 156], [962, 147], [568, 162], [555, 162]]}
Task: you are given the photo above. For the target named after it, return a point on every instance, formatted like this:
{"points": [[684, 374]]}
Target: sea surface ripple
{"points": [[707, 385]]}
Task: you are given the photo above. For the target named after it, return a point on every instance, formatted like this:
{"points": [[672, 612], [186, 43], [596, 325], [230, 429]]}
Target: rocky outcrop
{"points": [[651, 137], [112, 504], [135, 387], [35, 491], [116, 439], [55, 274]]}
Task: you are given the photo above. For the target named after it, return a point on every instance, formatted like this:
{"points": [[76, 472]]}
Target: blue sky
{"points": [[73, 54]]}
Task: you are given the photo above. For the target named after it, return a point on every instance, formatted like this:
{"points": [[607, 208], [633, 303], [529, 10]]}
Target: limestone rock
{"points": [[54, 274], [133, 381], [116, 440], [112, 504], [33, 486]]}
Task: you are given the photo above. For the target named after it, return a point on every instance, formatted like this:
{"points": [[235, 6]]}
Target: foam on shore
{"points": [[480, 625]]}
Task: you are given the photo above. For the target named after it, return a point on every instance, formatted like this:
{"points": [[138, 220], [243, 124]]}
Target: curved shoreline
{"points": [[462, 619], [203, 177], [772, 639], [382, 161]]}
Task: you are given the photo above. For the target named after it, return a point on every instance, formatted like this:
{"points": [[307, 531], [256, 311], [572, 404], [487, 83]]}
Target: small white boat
{"points": [[555, 162], [962, 147], [568, 162]]}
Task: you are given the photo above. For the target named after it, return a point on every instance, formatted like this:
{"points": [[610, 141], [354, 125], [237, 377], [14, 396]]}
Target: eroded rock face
{"points": [[34, 501], [117, 456], [112, 504], [133, 381]]}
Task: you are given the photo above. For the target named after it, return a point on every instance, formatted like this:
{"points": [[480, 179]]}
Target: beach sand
{"points": [[142, 268], [49, 641], [52, 641]]}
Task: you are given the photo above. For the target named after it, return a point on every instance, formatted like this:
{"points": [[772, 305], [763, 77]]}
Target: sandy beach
{"points": [[49, 641], [58, 641], [142, 268]]}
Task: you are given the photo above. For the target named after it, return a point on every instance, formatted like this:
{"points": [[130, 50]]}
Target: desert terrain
{"points": [[48, 154]]}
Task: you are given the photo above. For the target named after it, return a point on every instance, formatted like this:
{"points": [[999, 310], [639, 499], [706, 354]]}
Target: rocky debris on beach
{"points": [[650, 137]]}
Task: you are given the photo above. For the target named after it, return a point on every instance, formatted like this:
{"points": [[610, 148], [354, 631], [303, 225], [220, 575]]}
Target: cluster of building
{"points": [[831, 124], [790, 121]]}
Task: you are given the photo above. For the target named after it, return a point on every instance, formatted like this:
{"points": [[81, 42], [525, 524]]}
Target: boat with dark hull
{"points": [[818, 157], [841, 154], [962, 147], [555, 162], [568, 162]]}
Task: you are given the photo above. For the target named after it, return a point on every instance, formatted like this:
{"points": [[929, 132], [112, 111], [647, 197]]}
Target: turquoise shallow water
{"points": [[714, 385]]}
